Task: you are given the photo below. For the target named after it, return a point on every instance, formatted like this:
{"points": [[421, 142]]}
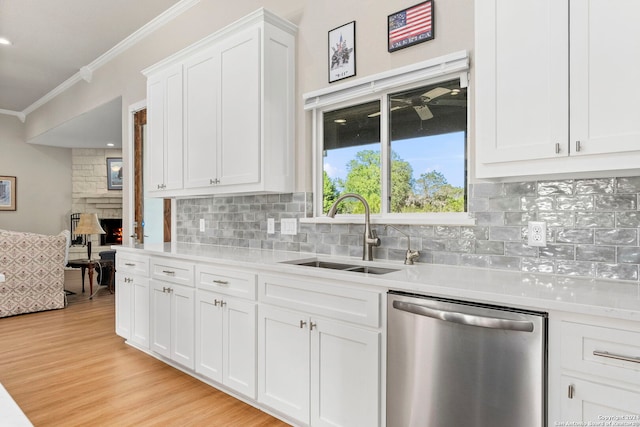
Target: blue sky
{"points": [[442, 153]]}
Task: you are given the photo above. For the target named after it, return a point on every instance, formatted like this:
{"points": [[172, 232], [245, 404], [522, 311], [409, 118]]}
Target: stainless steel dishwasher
{"points": [[453, 363]]}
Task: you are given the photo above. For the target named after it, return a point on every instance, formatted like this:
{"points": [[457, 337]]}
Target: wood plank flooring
{"points": [[68, 368]]}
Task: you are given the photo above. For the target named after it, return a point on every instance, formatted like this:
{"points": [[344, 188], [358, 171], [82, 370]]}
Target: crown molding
{"points": [[86, 73]]}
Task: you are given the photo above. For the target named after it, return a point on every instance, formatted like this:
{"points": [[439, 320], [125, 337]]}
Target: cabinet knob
{"points": [[302, 324]]}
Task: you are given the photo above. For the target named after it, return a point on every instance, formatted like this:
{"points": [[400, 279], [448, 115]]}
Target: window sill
{"points": [[463, 218]]}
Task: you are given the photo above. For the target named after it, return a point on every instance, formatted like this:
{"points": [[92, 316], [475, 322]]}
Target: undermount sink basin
{"points": [[356, 268]]}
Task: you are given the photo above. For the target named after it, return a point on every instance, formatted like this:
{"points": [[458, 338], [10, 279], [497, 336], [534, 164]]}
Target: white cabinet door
{"points": [[124, 306], [598, 403], [226, 341], [209, 325], [239, 124], [160, 299], [239, 346], [522, 109], [345, 379], [605, 57], [140, 311], [182, 325], [164, 150], [283, 354], [201, 83]]}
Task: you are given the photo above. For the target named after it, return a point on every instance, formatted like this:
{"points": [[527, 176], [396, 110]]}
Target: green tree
{"points": [[364, 178], [329, 191], [434, 194]]}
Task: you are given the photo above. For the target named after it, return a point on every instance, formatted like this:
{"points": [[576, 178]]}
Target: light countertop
{"points": [[544, 292]]}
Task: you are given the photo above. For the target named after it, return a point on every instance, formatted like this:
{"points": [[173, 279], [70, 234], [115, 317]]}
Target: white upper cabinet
{"points": [[164, 150], [552, 92], [237, 109]]}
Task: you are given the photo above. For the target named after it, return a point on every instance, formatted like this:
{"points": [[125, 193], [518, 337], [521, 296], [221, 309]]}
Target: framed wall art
{"points": [[8, 193], [114, 173], [410, 26], [342, 52]]}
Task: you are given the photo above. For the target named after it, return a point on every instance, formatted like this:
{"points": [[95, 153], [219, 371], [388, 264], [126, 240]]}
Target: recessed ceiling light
{"points": [[111, 144], [340, 121], [4, 41]]}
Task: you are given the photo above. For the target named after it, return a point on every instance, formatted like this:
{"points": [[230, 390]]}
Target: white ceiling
{"points": [[53, 40]]}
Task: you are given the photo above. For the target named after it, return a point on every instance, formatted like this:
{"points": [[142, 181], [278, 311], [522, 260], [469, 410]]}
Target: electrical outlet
{"points": [[202, 224], [537, 233], [271, 225]]}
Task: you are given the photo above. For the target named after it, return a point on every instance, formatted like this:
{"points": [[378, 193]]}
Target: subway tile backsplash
{"points": [[592, 228]]}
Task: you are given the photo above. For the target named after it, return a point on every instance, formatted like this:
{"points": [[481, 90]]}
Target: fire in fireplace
{"points": [[113, 231]]}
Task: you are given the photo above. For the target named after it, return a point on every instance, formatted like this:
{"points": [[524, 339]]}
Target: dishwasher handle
{"points": [[464, 318]]}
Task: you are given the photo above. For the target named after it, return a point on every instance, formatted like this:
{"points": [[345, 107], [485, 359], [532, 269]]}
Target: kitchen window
{"points": [[402, 147]]}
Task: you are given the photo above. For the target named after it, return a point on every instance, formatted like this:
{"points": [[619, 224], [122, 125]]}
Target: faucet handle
{"points": [[374, 240], [411, 256]]}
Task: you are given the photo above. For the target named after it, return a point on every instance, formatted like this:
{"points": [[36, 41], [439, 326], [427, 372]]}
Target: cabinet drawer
{"points": [[224, 281], [338, 301], [173, 271], [596, 350], [132, 264]]}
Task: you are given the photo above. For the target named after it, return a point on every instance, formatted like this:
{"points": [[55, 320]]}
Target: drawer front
{"points": [[172, 271], [338, 301], [225, 281], [132, 264], [596, 350]]}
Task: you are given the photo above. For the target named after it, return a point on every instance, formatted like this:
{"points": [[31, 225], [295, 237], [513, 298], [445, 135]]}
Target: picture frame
{"points": [[410, 26], [114, 173], [342, 52], [8, 193]]}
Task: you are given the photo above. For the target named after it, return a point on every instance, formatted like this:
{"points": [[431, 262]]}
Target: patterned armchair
{"points": [[33, 266]]}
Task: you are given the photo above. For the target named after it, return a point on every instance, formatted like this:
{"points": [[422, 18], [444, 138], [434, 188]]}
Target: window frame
{"points": [[378, 87]]}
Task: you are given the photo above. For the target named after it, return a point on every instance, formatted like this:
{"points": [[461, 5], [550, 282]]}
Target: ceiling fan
{"points": [[419, 103]]}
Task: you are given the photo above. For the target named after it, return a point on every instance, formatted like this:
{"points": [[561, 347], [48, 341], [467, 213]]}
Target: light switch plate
{"points": [[202, 226], [288, 226], [271, 225]]}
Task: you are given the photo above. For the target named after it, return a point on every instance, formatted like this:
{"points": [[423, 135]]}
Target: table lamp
{"points": [[88, 224]]}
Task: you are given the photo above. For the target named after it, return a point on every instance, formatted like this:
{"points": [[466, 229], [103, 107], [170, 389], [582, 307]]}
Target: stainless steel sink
{"points": [[356, 268]]}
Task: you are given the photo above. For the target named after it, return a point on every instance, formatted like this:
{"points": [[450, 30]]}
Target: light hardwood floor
{"points": [[68, 368]]}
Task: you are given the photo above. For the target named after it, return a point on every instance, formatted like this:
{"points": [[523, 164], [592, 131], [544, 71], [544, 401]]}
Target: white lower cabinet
{"points": [[600, 371], [592, 402], [132, 299], [318, 371], [172, 322], [226, 341]]}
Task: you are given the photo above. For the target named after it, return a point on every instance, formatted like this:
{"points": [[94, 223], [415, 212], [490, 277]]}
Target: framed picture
{"points": [[114, 173], [8, 193], [411, 26], [342, 52]]}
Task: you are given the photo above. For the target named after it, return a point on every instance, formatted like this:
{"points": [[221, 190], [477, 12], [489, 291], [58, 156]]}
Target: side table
{"points": [[91, 265]]}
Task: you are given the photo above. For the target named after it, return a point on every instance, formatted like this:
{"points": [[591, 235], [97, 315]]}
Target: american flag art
{"points": [[411, 26]]}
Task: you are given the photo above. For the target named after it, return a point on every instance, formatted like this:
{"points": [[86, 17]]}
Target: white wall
{"points": [[122, 77], [43, 181]]}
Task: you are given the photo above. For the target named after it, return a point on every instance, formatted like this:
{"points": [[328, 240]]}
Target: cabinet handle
{"points": [[216, 302], [570, 391], [164, 289], [129, 264], [577, 146], [302, 324], [214, 181], [222, 303], [616, 356], [312, 325], [221, 282], [169, 272], [557, 148]]}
